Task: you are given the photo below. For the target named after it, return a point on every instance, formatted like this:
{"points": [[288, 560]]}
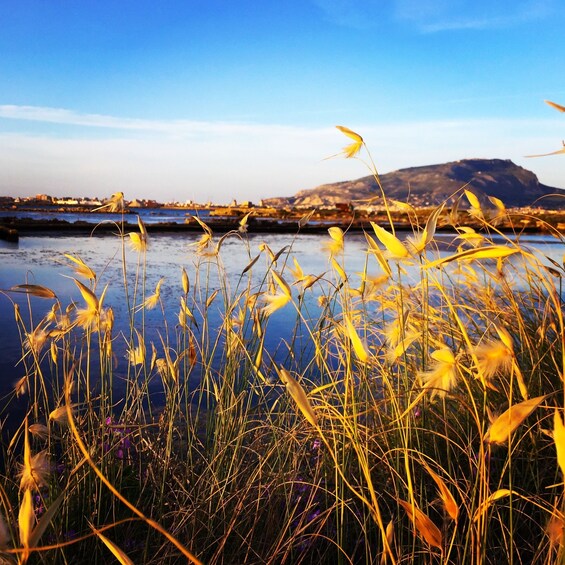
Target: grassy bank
{"points": [[411, 421]]}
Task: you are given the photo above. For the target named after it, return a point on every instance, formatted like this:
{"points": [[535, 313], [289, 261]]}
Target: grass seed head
{"points": [[425, 528], [274, 302], [493, 357], [443, 376], [22, 386], [353, 149], [26, 523], [136, 242], [35, 471], [335, 245], [136, 355], [39, 430], [559, 439], [503, 426], [36, 340], [185, 281], [395, 248], [153, 300], [81, 268], [296, 391], [358, 346], [115, 203]]}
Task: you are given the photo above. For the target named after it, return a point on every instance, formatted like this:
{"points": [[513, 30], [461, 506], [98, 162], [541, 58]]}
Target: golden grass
{"points": [[415, 414]]}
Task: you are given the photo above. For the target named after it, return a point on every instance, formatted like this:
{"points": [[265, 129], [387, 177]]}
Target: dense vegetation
{"points": [[410, 421]]}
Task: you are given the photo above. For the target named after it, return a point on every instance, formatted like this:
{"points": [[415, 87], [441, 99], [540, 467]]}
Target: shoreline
{"points": [[11, 228], [221, 220]]}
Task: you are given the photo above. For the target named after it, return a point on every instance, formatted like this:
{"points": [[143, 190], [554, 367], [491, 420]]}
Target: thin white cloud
{"points": [[63, 116], [433, 16], [498, 22], [267, 160]]}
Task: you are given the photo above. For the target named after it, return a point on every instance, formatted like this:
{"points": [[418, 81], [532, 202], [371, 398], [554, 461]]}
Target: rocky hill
{"points": [[433, 184]]}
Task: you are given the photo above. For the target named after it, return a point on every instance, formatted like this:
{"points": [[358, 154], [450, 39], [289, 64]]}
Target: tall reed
{"points": [[414, 415]]}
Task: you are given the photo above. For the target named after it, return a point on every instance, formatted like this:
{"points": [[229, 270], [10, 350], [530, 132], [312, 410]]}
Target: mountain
{"points": [[433, 184]]}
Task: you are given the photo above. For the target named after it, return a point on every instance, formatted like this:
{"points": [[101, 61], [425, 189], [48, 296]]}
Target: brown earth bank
{"points": [[293, 221]]}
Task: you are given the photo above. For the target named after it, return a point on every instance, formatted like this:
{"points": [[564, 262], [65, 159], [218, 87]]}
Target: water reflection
{"points": [[41, 260]]}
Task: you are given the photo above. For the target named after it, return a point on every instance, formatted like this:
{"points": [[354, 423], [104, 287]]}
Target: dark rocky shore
{"points": [[12, 227], [26, 225]]}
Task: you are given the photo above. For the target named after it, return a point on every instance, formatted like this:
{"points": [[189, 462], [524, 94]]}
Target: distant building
{"points": [[343, 206], [144, 203], [66, 201], [152, 204], [90, 202]]}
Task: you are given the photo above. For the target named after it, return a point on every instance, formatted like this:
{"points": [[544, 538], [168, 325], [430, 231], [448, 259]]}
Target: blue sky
{"points": [[221, 99]]}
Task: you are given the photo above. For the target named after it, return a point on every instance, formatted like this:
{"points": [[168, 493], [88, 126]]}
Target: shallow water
{"points": [[39, 259], [148, 215]]}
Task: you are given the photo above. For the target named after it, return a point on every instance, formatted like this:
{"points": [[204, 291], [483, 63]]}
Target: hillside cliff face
{"points": [[433, 184]]}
